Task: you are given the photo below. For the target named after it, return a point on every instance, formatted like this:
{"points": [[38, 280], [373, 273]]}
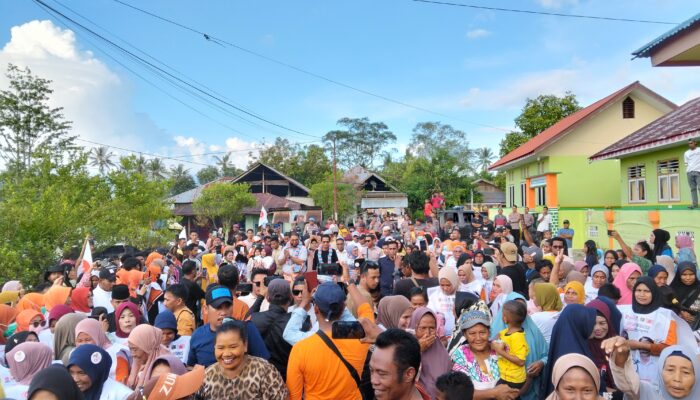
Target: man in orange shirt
{"points": [[314, 370]]}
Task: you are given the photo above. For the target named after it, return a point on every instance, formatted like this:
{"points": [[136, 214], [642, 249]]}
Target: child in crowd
{"points": [[175, 300], [511, 346]]}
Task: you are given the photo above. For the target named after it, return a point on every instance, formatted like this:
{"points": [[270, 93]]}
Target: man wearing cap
{"points": [[271, 323], [567, 233], [314, 370], [219, 306], [508, 260], [532, 255], [102, 294]]}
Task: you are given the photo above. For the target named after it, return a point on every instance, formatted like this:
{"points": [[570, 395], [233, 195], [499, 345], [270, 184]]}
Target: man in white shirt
{"points": [[194, 238], [102, 294], [543, 222], [295, 256], [692, 167]]}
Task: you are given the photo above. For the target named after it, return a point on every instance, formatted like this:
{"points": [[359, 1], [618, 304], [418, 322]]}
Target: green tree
{"points": [[322, 193], [226, 167], [484, 158], [101, 158], [361, 142], [306, 164], [430, 138], [156, 169], [29, 128], [224, 202], [537, 115], [207, 174], [181, 179]]}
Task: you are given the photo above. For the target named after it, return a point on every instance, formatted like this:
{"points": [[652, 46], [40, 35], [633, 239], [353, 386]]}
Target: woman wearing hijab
{"points": [[145, 345], [46, 335], [30, 320], [467, 281], [488, 273], [548, 299], [625, 281], [81, 300], [434, 358], [53, 381], [64, 336], [659, 239], [599, 277], [167, 364], [659, 274], [31, 301], [89, 366], [537, 346], [686, 251], [24, 361], [603, 329], [502, 287], [649, 327], [464, 302], [89, 331], [570, 334], [441, 299], [57, 295], [209, 265], [687, 289], [582, 267], [575, 376], [7, 317], [126, 317], [673, 361], [394, 312], [574, 293]]}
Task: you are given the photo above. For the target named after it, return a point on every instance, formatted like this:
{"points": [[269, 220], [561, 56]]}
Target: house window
{"points": [[541, 195], [669, 181], [636, 184], [540, 167], [628, 108], [523, 194], [511, 175], [511, 195]]}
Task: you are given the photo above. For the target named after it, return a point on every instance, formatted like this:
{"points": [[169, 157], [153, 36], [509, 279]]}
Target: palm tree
{"points": [[484, 158], [224, 163], [141, 164], [101, 158], [179, 172], [156, 169]]}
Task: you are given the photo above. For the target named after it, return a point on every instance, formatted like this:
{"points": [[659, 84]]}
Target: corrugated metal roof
{"points": [[387, 202], [645, 51], [674, 127]]}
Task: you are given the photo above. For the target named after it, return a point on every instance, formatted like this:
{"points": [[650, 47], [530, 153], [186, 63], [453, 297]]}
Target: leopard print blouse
{"points": [[259, 380]]}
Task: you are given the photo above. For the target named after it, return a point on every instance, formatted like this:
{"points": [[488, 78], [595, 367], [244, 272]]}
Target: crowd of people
{"points": [[382, 307]]}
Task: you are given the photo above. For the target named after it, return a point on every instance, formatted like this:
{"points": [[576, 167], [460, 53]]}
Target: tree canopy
{"points": [[223, 203], [360, 143]]}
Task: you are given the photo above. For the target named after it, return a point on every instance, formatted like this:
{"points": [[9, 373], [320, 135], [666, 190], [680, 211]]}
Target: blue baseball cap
{"points": [[330, 299], [218, 295]]}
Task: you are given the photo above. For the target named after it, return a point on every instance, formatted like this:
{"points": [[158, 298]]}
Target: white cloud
{"points": [[95, 98], [478, 33], [191, 148]]}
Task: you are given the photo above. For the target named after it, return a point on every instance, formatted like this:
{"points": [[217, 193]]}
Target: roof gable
{"points": [[567, 124], [647, 49], [359, 176], [256, 173], [672, 128]]}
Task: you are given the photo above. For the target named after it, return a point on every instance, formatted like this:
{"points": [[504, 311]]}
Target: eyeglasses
{"points": [[296, 292], [258, 283], [557, 247]]}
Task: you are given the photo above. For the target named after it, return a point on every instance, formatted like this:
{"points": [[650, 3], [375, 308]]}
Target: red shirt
{"points": [[427, 210]]}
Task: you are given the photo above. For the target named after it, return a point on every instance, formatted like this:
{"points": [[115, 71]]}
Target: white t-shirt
{"points": [[102, 298], [16, 391], [692, 160], [46, 337], [113, 390], [180, 348], [544, 222], [545, 321]]}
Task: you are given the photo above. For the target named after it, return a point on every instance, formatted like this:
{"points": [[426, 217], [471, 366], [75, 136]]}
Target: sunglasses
{"points": [[37, 324], [296, 292], [557, 247], [258, 283]]}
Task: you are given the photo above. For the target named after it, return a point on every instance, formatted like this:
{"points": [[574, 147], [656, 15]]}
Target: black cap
{"points": [[218, 295], [120, 292], [108, 274]]}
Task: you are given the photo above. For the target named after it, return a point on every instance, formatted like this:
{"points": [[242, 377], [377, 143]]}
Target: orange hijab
{"points": [[56, 295], [7, 316], [31, 301], [79, 299], [153, 256], [24, 318]]}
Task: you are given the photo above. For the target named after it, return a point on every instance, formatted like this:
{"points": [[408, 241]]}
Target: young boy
{"points": [[175, 301], [454, 386], [512, 347]]}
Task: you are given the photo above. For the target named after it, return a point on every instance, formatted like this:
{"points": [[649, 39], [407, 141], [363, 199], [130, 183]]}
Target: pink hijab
{"points": [[93, 328], [28, 358], [620, 282], [147, 338]]}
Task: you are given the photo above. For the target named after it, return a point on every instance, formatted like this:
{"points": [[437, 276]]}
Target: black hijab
{"points": [[56, 380], [656, 300], [686, 294], [661, 238]]}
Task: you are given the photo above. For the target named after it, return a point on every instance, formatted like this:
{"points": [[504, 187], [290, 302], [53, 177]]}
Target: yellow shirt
{"points": [[516, 346], [185, 322]]}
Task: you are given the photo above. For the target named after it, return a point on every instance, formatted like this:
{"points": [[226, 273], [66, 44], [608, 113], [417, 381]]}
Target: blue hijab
{"points": [[96, 363], [570, 335], [166, 320], [536, 343]]}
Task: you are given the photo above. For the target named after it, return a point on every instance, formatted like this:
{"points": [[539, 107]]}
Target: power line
{"points": [[142, 152], [552, 14], [223, 42], [146, 62]]}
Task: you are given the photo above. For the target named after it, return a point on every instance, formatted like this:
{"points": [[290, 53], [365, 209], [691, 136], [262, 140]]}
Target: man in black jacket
{"points": [[271, 323]]}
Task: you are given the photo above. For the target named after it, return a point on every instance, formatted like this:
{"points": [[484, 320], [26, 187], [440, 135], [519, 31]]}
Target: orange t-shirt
{"points": [[316, 372]]}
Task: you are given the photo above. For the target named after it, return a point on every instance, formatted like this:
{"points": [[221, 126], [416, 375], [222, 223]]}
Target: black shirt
{"points": [[323, 257], [404, 286], [195, 294], [516, 273]]}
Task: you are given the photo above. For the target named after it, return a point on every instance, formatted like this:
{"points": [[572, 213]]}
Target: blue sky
{"points": [[475, 66]]}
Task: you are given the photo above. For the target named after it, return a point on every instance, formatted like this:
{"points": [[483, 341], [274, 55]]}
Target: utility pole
{"points": [[335, 182]]}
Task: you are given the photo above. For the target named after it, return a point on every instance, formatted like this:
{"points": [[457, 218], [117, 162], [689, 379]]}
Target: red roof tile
{"points": [[564, 125], [674, 127]]}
